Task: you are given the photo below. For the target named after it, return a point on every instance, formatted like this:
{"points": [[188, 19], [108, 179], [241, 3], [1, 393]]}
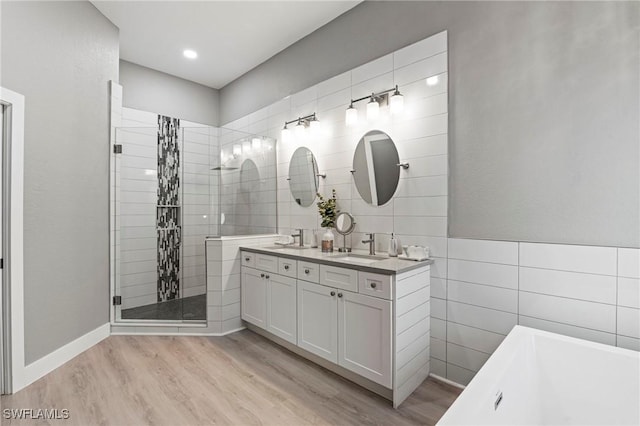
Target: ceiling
{"points": [[231, 37]]}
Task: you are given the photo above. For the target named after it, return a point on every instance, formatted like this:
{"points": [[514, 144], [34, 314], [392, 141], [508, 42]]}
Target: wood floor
{"points": [[241, 379]]}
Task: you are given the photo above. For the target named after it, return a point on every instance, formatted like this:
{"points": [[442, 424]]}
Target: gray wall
{"points": [[150, 90], [61, 56], [543, 108]]}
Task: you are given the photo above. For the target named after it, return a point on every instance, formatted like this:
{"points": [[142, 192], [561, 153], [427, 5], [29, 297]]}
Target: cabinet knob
{"points": [[261, 275], [373, 285], [247, 259], [306, 271], [267, 276], [286, 267], [333, 293], [339, 294]]}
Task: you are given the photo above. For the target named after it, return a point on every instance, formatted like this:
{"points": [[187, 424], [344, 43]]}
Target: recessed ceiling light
{"points": [[191, 54]]}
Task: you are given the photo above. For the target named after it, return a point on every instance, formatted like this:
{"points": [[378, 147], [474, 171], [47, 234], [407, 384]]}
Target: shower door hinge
{"points": [[117, 149], [117, 300], [1, 263]]}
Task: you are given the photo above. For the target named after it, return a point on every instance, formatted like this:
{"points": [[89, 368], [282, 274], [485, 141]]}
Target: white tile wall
{"points": [[587, 292]]}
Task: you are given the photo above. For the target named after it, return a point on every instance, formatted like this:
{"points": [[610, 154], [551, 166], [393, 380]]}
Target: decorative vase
{"points": [[327, 241]]}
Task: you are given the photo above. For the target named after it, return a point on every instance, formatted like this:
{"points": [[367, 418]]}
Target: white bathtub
{"points": [[541, 378]]}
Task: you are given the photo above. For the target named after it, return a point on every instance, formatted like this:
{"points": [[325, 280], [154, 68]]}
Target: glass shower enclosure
{"points": [[174, 186]]}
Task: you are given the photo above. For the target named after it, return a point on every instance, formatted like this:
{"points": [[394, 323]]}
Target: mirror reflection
{"points": [[345, 223], [376, 171], [303, 176]]}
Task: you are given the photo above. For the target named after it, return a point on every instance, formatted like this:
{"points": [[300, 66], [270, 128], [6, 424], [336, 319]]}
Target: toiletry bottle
{"points": [[393, 246]]}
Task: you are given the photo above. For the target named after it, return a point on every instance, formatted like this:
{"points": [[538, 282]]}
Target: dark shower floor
{"points": [[192, 308]]}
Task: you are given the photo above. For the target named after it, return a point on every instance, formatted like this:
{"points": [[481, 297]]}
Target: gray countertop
{"points": [[386, 265]]}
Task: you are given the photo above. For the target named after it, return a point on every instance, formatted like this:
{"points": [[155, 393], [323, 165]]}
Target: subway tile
{"points": [[422, 69], [481, 295], [596, 316], [438, 349], [628, 322], [438, 328], [438, 308], [439, 267], [492, 274], [428, 226], [484, 251], [435, 145], [474, 338], [629, 292], [568, 330], [479, 317], [628, 343], [629, 263], [588, 259], [465, 357], [438, 367], [420, 206], [372, 69], [594, 288], [422, 186], [438, 288], [426, 48], [459, 375], [334, 84]]}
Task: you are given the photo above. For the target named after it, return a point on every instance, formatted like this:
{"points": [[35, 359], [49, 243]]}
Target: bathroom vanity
{"points": [[363, 317]]}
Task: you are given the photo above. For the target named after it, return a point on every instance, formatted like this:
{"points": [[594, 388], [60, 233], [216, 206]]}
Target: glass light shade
{"points": [[396, 103], [286, 134], [314, 127], [351, 116], [237, 149], [256, 144], [432, 81], [299, 129], [246, 147], [373, 110]]}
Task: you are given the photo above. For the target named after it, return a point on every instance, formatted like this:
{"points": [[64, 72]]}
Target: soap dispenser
{"points": [[393, 246]]}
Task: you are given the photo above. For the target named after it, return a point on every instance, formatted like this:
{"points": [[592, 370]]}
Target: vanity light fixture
{"points": [[396, 105], [301, 124]]}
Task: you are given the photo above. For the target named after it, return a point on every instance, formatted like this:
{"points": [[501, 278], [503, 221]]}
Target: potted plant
{"points": [[328, 209]]}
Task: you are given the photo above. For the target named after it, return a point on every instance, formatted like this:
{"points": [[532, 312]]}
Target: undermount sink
{"points": [[288, 246], [362, 259]]}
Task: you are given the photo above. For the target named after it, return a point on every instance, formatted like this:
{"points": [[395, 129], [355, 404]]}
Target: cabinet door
{"points": [[281, 307], [253, 288], [364, 336], [318, 320]]}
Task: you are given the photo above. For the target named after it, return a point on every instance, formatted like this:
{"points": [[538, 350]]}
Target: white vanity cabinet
{"points": [[375, 325], [268, 300]]}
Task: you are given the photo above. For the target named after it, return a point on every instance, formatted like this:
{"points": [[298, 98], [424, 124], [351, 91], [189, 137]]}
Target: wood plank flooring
{"points": [[240, 379]]}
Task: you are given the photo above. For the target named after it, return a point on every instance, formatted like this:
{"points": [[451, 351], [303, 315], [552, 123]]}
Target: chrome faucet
{"points": [[372, 243], [300, 235]]}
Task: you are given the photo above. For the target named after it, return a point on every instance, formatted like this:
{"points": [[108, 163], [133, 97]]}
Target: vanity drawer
{"points": [[248, 259], [308, 271], [287, 267], [266, 263], [375, 285], [332, 276]]}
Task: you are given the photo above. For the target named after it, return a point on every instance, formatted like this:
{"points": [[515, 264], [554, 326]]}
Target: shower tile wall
{"points": [[138, 199]]}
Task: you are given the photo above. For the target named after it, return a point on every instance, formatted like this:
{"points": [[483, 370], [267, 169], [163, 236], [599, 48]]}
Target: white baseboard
{"points": [[447, 381], [55, 359], [155, 333]]}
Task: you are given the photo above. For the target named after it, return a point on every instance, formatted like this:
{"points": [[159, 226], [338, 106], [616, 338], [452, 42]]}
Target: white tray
{"points": [[415, 259]]}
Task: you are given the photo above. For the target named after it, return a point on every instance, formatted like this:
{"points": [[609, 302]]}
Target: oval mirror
{"points": [[303, 176], [376, 171], [345, 223]]}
